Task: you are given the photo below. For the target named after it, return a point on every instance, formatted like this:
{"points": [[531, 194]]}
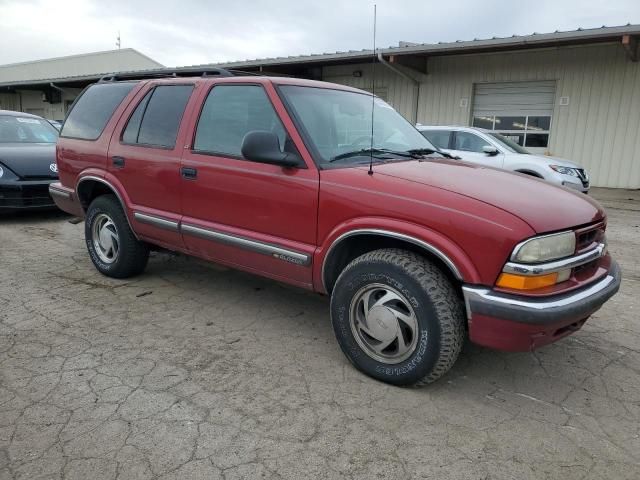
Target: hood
{"points": [[547, 160], [29, 160], [544, 206]]}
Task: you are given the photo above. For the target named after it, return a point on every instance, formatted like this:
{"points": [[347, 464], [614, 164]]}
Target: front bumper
{"points": [[517, 323], [23, 195]]}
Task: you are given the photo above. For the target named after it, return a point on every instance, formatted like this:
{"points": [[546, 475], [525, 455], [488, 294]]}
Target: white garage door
{"points": [[521, 111]]}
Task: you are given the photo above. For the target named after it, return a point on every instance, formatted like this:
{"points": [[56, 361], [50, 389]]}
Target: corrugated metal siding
{"points": [[600, 128], [400, 93]]}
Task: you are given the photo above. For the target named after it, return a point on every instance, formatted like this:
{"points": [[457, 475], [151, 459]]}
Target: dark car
{"points": [[27, 161]]}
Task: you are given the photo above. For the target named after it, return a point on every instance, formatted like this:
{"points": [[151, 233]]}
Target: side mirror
{"points": [[264, 147], [490, 150]]}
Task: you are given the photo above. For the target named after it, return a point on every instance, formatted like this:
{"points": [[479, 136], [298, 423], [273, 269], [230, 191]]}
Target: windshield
{"points": [[509, 144], [338, 123], [26, 130]]}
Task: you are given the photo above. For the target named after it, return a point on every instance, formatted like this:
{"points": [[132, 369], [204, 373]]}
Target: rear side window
{"points": [[157, 117], [232, 111], [93, 109], [440, 138]]}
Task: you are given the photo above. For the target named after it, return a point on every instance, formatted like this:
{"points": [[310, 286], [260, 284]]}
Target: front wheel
{"points": [[112, 246], [397, 317]]}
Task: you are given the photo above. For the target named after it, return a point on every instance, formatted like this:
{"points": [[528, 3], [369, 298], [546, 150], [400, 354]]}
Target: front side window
{"points": [[232, 111], [14, 129], [440, 138], [157, 117], [338, 124], [93, 109], [469, 142]]}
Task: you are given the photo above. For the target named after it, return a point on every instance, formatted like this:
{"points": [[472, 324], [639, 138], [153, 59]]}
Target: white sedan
{"points": [[485, 147]]}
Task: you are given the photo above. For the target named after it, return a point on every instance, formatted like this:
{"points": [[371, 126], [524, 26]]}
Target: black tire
{"points": [[433, 298], [132, 255]]}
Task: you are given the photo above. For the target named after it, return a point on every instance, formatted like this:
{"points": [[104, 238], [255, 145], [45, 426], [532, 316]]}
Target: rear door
{"points": [[468, 146], [144, 156], [251, 215]]}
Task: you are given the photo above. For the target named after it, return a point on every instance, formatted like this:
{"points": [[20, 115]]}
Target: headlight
{"points": [[6, 174], [548, 247], [564, 170]]}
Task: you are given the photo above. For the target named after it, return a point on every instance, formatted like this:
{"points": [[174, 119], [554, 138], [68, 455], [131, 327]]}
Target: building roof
{"points": [[533, 40], [516, 42], [77, 65]]}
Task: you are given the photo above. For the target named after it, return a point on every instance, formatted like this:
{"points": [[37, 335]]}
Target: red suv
{"points": [[328, 188]]}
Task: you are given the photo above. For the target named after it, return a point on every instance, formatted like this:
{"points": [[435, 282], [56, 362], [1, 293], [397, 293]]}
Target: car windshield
{"points": [[510, 145], [14, 129], [338, 124]]}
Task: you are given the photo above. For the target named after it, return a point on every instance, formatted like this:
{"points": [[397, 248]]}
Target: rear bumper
{"points": [[25, 195], [66, 199], [518, 323]]}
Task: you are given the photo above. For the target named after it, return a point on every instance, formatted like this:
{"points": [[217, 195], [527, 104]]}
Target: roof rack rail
{"points": [[169, 73]]}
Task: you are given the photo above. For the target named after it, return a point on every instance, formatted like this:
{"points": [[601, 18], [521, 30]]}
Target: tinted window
{"points": [[93, 109], [156, 119], [468, 142], [440, 138], [130, 134], [229, 113]]}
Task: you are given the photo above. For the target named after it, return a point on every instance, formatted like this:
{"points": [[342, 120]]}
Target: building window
{"points": [[526, 131]]}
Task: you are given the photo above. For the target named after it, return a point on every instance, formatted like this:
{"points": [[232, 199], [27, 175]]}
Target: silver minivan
{"points": [[476, 145]]}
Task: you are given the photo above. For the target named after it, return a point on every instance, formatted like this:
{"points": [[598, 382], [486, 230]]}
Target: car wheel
{"points": [[113, 248], [397, 317]]}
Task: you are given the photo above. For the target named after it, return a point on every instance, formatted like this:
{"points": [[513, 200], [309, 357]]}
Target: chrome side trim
{"points": [[55, 192], [400, 236], [156, 221], [113, 189], [570, 262], [252, 245]]}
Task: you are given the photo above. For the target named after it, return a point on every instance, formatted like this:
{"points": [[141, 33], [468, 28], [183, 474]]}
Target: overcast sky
{"points": [[187, 32]]}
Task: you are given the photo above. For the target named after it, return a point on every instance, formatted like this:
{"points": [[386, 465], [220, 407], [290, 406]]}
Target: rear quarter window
{"points": [[93, 109]]}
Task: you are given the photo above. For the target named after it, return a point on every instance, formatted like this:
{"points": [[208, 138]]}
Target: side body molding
{"points": [[387, 233]]}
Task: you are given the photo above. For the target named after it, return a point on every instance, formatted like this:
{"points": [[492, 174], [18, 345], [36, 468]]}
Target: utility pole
{"points": [[118, 40]]}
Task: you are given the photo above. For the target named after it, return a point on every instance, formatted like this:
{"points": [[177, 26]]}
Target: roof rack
{"points": [[171, 73]]}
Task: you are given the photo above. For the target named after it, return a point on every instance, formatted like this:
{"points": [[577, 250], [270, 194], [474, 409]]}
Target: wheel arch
{"points": [[90, 187], [357, 242]]}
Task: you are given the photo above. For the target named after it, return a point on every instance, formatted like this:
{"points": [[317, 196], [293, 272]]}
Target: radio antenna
{"points": [[373, 88]]}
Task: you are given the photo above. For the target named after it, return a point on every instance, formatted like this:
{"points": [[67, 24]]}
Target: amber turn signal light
{"points": [[525, 282]]}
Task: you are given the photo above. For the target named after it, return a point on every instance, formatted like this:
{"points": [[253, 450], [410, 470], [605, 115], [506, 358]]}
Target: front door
{"points": [[468, 146], [145, 159], [254, 216]]}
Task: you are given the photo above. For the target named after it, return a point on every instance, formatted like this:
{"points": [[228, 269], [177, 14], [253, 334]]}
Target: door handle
{"points": [[189, 173], [118, 161]]}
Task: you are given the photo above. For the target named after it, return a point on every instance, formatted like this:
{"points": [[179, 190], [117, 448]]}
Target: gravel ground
{"points": [[193, 371]]}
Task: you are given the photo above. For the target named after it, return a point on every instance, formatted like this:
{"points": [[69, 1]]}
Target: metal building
{"points": [[570, 94]]}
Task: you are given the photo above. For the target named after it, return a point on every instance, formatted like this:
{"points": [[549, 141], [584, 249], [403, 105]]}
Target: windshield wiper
{"points": [[372, 151], [430, 151]]}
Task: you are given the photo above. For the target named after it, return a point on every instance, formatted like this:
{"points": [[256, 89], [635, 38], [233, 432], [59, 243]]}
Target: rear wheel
{"points": [[397, 317], [112, 246]]}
